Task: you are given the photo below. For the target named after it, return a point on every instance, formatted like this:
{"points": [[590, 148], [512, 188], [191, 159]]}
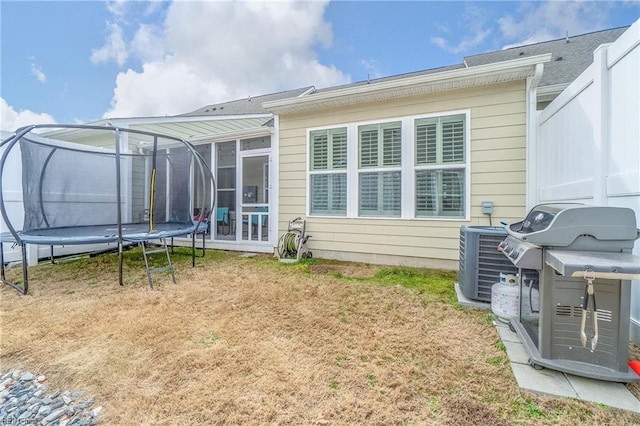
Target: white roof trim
{"points": [[121, 122], [233, 135], [498, 72]]}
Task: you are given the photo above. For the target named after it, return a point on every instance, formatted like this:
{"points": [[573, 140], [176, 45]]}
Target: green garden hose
{"points": [[288, 245]]}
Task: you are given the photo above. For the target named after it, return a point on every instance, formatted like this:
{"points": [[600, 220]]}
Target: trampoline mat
{"points": [[95, 234]]}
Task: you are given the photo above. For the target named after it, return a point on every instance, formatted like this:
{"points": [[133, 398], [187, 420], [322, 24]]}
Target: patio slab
{"points": [[552, 382]]}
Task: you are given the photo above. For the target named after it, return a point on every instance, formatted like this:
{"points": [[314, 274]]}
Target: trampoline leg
{"points": [[120, 263], [193, 250], [25, 287], [25, 275], [2, 262]]}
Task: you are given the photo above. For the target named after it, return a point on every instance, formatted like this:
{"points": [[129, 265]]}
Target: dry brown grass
{"points": [[251, 341]]}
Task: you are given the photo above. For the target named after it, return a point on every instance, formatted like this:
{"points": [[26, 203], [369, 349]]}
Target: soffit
{"points": [[481, 75]]}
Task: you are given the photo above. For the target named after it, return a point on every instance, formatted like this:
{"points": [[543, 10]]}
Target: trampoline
{"points": [[84, 184]]}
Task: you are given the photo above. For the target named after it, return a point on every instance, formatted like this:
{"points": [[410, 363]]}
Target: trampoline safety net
{"points": [[67, 185], [84, 184]]}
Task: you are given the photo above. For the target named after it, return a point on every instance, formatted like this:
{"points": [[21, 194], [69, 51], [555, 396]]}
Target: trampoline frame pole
{"points": [[23, 250], [119, 206]]}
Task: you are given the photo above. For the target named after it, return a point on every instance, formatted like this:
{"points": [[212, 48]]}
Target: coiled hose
{"points": [[288, 244]]}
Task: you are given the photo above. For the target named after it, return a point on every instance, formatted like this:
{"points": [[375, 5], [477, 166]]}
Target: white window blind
{"points": [[453, 141], [380, 145], [440, 140], [328, 180], [319, 151], [426, 142], [339, 150], [391, 146], [380, 194], [369, 148], [329, 194], [328, 149], [440, 193]]}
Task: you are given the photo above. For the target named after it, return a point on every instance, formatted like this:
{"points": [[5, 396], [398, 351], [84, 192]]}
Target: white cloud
{"points": [[36, 70], [117, 8], [147, 43], [474, 21], [468, 42], [206, 52], [10, 119], [372, 67], [534, 22], [114, 48]]}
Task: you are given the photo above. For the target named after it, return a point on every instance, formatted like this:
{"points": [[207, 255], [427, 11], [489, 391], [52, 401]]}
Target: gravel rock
{"points": [[23, 400], [27, 377]]}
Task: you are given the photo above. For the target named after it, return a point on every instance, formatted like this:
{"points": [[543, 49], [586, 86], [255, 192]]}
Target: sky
{"points": [[81, 61]]}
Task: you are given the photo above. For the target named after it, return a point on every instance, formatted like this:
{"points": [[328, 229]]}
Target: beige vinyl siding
{"points": [[497, 173]]}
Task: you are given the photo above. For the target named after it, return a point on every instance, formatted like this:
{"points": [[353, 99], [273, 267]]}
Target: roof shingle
{"points": [[570, 56], [250, 105]]}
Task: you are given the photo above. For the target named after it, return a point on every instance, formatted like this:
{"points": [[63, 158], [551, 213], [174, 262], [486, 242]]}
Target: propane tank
{"points": [[505, 298]]}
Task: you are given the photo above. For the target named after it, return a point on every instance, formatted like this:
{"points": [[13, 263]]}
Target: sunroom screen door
{"points": [[253, 221]]}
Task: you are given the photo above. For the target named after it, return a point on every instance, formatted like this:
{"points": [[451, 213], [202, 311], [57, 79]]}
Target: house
{"points": [[439, 142], [387, 170]]}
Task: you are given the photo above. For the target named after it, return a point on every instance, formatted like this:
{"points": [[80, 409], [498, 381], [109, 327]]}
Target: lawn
{"points": [[252, 341]]}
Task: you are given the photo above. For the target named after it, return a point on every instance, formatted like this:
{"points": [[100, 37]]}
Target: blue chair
{"points": [[222, 219]]}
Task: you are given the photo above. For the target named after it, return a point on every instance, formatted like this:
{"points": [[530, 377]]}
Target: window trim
{"points": [[407, 168], [327, 171]]}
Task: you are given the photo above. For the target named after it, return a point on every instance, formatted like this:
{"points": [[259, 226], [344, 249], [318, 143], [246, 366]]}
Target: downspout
{"points": [[532, 172]]}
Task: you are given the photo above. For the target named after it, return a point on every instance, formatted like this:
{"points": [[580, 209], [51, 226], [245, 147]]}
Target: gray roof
{"points": [[569, 60], [250, 105], [391, 78], [570, 56]]}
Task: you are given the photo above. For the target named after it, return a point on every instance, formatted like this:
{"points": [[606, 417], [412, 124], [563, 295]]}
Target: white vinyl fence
{"points": [[588, 140]]}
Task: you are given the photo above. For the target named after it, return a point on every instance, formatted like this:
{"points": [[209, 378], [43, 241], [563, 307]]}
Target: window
{"points": [[439, 177], [328, 165], [411, 167], [440, 140], [440, 193], [380, 147]]}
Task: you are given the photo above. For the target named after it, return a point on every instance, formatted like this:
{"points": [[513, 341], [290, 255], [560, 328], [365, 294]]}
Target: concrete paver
{"points": [[552, 382], [609, 393]]}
